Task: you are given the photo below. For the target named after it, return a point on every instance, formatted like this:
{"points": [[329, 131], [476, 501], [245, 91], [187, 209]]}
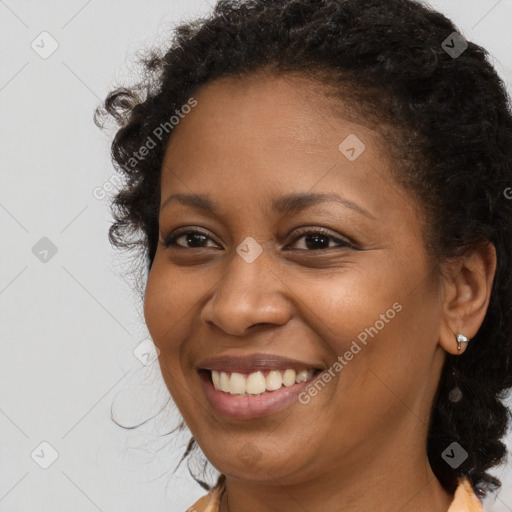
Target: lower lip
{"points": [[248, 407]]}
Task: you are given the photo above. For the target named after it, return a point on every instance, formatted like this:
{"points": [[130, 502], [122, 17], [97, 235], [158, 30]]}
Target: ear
{"points": [[467, 285]]}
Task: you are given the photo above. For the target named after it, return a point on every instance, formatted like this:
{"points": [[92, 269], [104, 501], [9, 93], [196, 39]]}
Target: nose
{"points": [[247, 295]]}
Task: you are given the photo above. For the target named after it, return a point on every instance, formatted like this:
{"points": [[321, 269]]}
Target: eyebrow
{"points": [[283, 205]]}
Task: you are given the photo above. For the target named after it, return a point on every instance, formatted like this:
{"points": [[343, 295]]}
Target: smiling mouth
{"points": [[258, 382]]}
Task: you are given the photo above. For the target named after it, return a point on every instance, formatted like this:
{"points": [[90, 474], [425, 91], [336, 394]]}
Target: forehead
{"points": [[263, 127], [262, 104]]}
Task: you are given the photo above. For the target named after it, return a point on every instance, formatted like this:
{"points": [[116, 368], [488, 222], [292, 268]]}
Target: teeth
{"points": [[289, 378], [256, 383], [224, 382], [274, 380], [236, 383], [302, 376], [216, 379]]}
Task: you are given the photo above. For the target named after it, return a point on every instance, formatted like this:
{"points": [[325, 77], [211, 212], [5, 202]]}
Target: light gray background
{"points": [[69, 325]]}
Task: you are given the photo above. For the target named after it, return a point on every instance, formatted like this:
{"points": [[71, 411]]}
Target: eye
{"points": [[315, 239], [320, 238], [191, 236]]}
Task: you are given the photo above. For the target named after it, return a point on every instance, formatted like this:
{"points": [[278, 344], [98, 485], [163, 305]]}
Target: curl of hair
{"points": [[446, 121]]}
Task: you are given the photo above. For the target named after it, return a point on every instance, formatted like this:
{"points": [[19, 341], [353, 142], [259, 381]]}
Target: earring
{"points": [[461, 339]]}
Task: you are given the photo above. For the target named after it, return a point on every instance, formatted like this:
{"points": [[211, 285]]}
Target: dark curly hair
{"points": [[447, 121]]}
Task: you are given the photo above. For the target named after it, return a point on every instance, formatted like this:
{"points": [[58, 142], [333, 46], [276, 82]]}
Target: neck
{"points": [[383, 484]]}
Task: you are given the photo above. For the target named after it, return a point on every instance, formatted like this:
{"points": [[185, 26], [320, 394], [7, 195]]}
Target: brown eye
{"points": [[316, 239], [196, 239]]}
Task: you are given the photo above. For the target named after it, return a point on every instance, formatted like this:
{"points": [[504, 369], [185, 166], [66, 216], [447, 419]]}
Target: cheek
{"points": [[387, 355], [166, 304], [170, 300], [165, 316], [349, 305], [156, 306], [379, 321]]}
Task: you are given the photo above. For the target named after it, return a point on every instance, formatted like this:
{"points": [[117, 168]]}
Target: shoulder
{"points": [[211, 501], [465, 499]]}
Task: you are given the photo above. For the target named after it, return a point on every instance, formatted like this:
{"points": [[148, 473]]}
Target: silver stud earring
{"points": [[461, 339]]}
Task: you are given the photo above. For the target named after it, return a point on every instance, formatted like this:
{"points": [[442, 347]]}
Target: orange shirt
{"points": [[465, 500]]}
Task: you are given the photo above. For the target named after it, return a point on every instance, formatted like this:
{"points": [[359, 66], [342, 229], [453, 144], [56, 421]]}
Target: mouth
{"points": [[254, 385], [246, 396], [259, 382]]}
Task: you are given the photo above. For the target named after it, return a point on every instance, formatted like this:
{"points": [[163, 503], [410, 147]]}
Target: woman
{"points": [[319, 188]]}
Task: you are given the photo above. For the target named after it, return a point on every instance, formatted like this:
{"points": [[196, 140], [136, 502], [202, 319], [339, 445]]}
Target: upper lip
{"points": [[253, 362]]}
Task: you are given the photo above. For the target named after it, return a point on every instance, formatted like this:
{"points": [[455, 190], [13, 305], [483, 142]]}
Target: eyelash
{"points": [[171, 239]]}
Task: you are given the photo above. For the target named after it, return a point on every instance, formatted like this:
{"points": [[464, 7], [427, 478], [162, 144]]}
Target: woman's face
{"points": [[357, 300]]}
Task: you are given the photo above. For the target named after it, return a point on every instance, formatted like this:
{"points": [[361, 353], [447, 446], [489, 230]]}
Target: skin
{"points": [[250, 140]]}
